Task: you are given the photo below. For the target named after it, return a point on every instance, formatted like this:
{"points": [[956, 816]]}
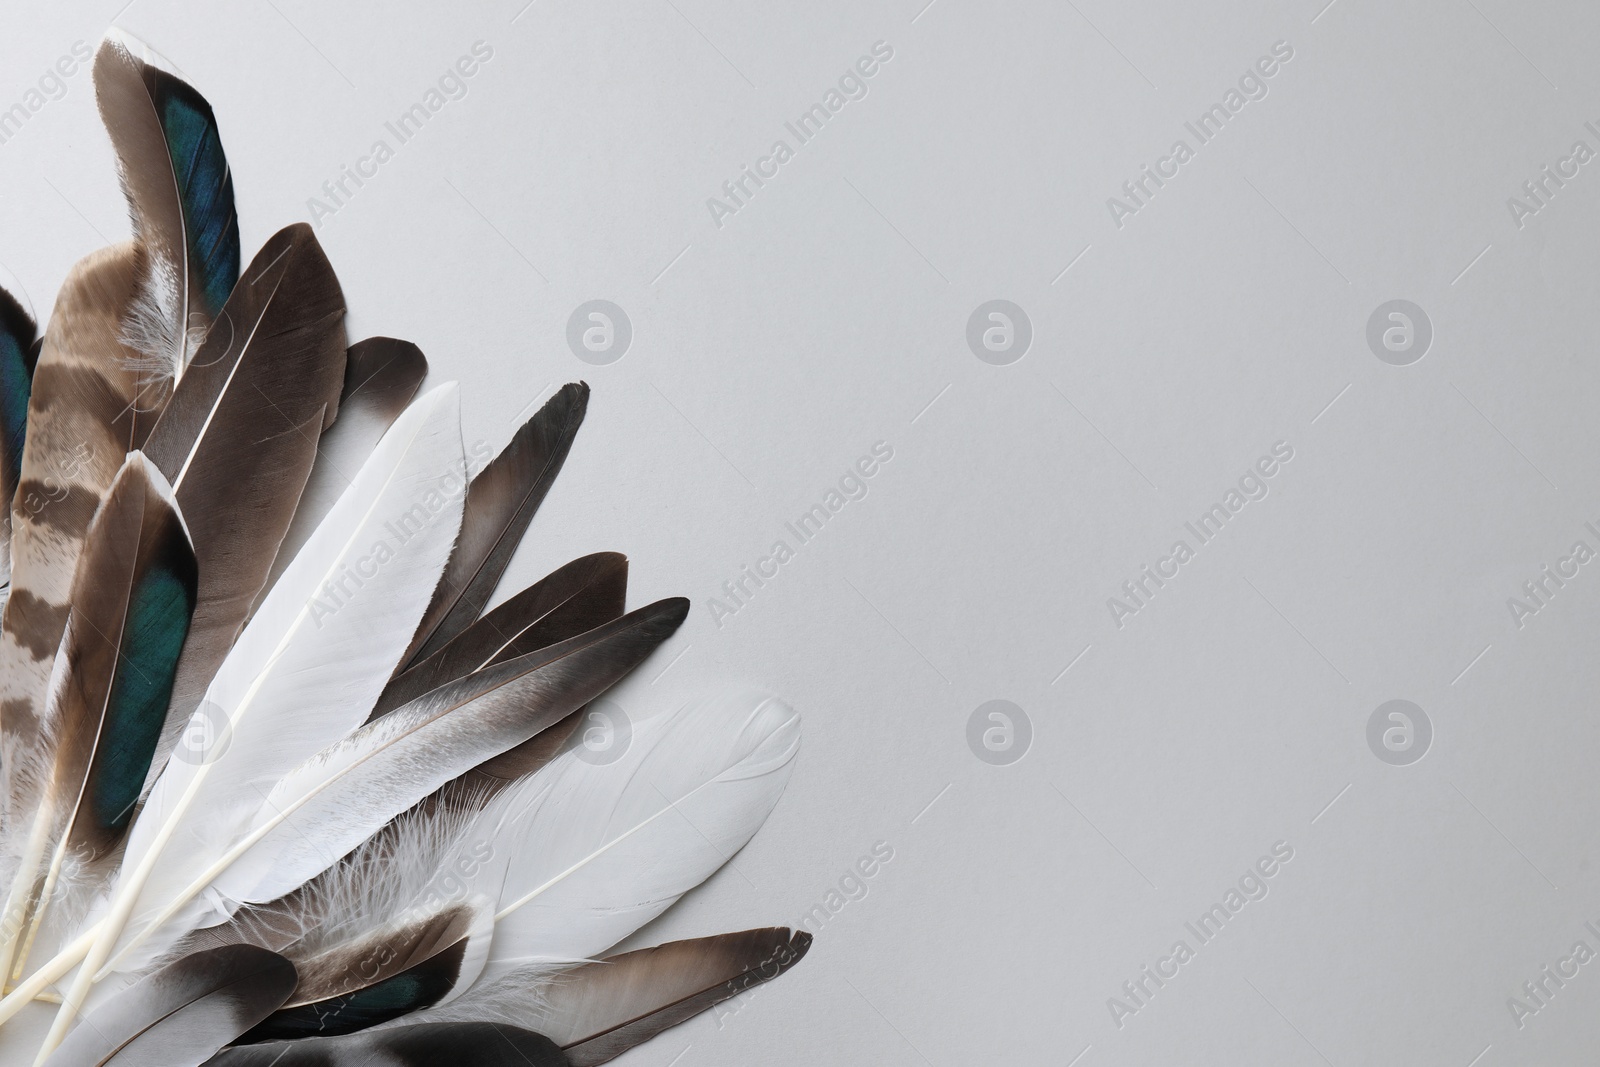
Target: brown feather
{"points": [[571, 600], [500, 504], [238, 438], [377, 955], [135, 530], [91, 405], [598, 1011]]}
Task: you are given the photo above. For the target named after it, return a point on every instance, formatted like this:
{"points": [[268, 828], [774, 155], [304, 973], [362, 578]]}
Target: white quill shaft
{"points": [[610, 847], [306, 670]]}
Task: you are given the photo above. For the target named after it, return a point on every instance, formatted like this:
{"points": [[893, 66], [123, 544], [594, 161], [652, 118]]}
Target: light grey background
{"points": [[1168, 354]]}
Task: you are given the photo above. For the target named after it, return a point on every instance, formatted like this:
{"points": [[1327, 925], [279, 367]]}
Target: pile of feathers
{"points": [[278, 789]]}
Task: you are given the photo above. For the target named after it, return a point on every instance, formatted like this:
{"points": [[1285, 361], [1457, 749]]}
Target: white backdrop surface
{"points": [[1178, 333]]}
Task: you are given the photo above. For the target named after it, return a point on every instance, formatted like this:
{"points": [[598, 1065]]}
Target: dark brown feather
{"points": [[598, 1011], [571, 600], [432, 1045], [500, 504], [181, 1013], [238, 438]]}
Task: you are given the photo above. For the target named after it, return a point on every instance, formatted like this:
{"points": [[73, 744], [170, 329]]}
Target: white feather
{"points": [[611, 847], [305, 671], [329, 804]]}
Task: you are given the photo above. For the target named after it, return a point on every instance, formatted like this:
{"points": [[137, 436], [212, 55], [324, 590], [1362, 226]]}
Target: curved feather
{"points": [[89, 407], [180, 194], [571, 600], [597, 1011], [330, 804], [238, 438], [500, 505], [478, 1044], [612, 846], [180, 1015], [304, 672], [131, 602], [381, 376], [384, 974]]}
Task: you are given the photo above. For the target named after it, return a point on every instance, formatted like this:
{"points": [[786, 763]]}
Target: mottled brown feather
{"points": [[92, 403]]}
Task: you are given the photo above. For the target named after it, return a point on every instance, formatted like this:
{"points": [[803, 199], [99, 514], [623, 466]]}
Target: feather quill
{"points": [[180, 194], [303, 673], [381, 376], [500, 504], [180, 1015], [131, 602], [238, 438]]}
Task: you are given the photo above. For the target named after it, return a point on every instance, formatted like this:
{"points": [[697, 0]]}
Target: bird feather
{"points": [[478, 1044], [239, 436], [180, 194], [381, 376], [302, 674], [613, 845], [19, 352], [131, 602], [571, 600], [181, 1014], [89, 407], [597, 1011], [500, 504]]}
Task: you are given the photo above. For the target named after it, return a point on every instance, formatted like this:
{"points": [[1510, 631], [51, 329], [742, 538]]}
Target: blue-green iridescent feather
{"points": [[205, 185]]}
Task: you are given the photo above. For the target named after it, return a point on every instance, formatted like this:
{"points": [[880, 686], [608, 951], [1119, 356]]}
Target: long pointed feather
{"points": [[180, 1015], [601, 1010], [477, 1044], [89, 407], [500, 505], [381, 376], [329, 805], [131, 602], [614, 845], [597, 1011], [571, 600], [180, 193], [238, 438], [304, 672]]}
